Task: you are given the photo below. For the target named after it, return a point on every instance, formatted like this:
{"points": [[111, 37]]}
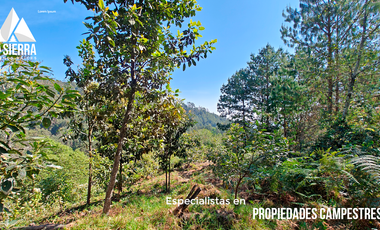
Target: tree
{"points": [[153, 117], [137, 50], [28, 98], [247, 95], [288, 98], [244, 150], [340, 35], [236, 99], [263, 67], [174, 129], [87, 119]]}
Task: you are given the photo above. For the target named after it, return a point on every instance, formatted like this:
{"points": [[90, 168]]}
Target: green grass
{"points": [[144, 206]]}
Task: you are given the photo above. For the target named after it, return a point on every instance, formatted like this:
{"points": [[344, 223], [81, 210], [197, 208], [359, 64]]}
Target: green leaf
{"points": [[3, 95], [184, 67], [101, 4], [50, 93], [111, 42], [58, 87], [3, 209], [6, 186], [45, 67], [46, 122], [13, 128], [3, 150]]}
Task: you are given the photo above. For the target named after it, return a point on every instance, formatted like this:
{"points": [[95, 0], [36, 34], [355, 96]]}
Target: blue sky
{"points": [[242, 27]]}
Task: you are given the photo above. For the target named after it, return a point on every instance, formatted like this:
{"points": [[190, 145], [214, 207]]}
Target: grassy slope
{"points": [[144, 207]]}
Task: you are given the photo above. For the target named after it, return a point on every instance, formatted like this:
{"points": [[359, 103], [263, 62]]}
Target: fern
{"points": [[369, 164]]}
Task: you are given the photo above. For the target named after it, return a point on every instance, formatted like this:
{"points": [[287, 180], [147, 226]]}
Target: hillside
{"points": [[144, 205], [204, 118]]}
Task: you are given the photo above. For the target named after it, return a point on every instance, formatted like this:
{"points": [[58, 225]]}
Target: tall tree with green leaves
{"points": [[285, 102], [341, 36], [137, 50], [263, 67], [86, 120], [153, 117], [236, 101], [287, 99]]}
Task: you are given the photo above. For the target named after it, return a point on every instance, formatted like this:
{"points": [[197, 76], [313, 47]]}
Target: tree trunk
{"points": [[267, 97], [195, 190], [123, 130], [169, 177], [166, 179], [284, 113], [90, 163], [237, 186], [120, 184], [244, 125], [355, 72], [337, 69], [329, 67]]}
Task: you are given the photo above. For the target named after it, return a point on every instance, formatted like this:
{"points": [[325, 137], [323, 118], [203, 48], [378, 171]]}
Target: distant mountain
{"points": [[204, 118]]}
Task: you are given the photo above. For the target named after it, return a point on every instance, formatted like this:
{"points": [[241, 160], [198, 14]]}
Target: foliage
{"points": [[26, 102], [61, 183], [91, 106], [237, 100], [310, 179], [172, 143], [191, 149], [102, 166], [341, 37], [58, 186], [342, 135], [147, 167], [244, 152], [137, 52], [370, 164]]}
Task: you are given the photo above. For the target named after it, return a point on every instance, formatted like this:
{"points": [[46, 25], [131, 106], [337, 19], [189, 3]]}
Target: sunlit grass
{"points": [[143, 206]]}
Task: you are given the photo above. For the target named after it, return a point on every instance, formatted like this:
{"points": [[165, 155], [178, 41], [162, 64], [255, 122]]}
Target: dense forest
{"points": [[297, 128]]}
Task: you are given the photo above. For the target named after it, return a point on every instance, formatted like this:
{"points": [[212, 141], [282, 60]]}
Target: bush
{"points": [[65, 184]]}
